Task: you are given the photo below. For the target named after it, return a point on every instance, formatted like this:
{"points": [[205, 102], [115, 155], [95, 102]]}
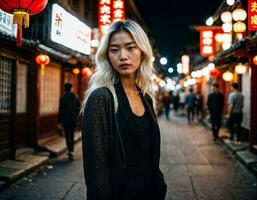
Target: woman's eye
{"points": [[114, 50], [131, 48]]}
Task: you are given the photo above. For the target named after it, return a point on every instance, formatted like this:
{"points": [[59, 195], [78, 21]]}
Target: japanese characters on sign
{"points": [[104, 15], [6, 24], [109, 11], [69, 31], [118, 11], [206, 42], [252, 15]]}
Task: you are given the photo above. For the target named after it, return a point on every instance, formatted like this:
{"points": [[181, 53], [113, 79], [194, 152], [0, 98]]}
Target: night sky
{"points": [[168, 22]]}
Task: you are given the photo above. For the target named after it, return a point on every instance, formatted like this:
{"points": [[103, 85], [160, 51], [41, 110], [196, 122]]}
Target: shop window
{"points": [[50, 81], [21, 89], [5, 85]]}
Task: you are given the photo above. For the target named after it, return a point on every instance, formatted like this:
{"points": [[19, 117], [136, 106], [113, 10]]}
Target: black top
{"points": [[111, 173], [215, 103]]}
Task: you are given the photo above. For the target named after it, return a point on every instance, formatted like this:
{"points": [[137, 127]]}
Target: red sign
{"points": [[252, 15], [207, 42], [118, 11], [104, 15]]}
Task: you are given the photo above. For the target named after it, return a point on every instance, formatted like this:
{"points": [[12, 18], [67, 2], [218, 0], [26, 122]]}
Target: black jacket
{"points": [[69, 109], [215, 103], [104, 154]]}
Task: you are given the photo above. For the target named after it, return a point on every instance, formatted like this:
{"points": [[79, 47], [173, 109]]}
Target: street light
{"points": [[209, 21], [163, 61]]}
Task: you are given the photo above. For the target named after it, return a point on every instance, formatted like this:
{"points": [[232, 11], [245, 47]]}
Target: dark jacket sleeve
{"points": [[95, 142]]}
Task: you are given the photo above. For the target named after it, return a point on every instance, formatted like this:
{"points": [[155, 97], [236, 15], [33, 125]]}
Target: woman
{"points": [[121, 137]]}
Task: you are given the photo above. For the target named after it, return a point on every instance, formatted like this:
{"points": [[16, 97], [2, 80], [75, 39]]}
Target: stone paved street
{"points": [[195, 168]]}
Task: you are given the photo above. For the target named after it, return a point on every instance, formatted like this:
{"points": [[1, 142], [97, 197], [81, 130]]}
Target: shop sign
{"points": [[69, 31], [252, 15], [185, 61], [104, 15], [118, 11], [206, 42], [6, 24]]}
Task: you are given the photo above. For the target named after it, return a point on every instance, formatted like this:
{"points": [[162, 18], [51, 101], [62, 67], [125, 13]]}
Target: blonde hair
{"points": [[105, 75]]}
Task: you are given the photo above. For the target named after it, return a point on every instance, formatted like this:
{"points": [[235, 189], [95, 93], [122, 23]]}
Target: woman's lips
{"points": [[124, 66]]}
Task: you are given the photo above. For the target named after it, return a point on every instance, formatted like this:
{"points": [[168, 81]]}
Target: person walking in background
{"points": [[166, 101], [120, 134], [215, 103], [182, 101], [68, 115], [199, 106], [190, 105], [175, 101], [235, 111]]}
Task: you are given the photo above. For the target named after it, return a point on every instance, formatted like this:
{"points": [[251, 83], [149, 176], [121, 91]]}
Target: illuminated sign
{"points": [[118, 11], [6, 24], [185, 61], [206, 42], [109, 11], [70, 31], [252, 15]]}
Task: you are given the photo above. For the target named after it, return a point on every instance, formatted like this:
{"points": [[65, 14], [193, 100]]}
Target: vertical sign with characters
{"points": [[252, 15]]}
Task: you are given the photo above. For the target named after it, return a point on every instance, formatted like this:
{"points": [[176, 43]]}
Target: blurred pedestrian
{"points": [[215, 103], [190, 105], [175, 102], [68, 115], [166, 101], [199, 106], [121, 137], [235, 111], [182, 101]]}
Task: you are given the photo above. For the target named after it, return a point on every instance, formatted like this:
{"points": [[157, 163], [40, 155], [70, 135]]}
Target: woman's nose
{"points": [[123, 55]]}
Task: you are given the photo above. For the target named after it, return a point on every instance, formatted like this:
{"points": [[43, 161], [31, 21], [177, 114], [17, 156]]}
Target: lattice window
{"points": [[5, 85], [50, 82]]}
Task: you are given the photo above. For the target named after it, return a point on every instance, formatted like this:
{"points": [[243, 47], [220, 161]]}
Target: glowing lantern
{"points": [[227, 27], [76, 70], [226, 17], [42, 60], [86, 72], [239, 14], [21, 11], [255, 60], [214, 73], [227, 76], [239, 27], [240, 68]]}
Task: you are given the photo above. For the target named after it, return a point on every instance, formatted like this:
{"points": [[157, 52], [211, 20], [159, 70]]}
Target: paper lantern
{"points": [[214, 73], [76, 70], [239, 27], [227, 76], [21, 10], [240, 68], [255, 60], [226, 17], [42, 60], [86, 72], [239, 14]]}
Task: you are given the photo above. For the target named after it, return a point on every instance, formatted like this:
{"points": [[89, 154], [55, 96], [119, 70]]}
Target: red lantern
{"points": [[21, 10], [86, 72], [42, 60], [214, 73]]}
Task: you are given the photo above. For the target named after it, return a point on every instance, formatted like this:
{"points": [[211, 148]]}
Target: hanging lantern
{"points": [[21, 11], [227, 76], [227, 27], [240, 68], [86, 72], [239, 27], [226, 17], [239, 14], [75, 71], [42, 60], [214, 73], [255, 60]]}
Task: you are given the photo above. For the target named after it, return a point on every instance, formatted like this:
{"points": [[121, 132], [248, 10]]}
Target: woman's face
{"points": [[124, 54]]}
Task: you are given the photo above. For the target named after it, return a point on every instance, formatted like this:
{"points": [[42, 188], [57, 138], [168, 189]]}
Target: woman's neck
{"points": [[128, 83]]}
